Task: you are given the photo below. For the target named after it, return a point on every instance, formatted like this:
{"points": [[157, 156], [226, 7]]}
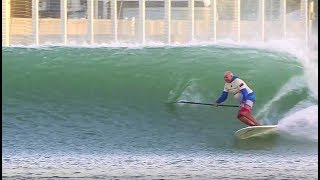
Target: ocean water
{"points": [[106, 112]]}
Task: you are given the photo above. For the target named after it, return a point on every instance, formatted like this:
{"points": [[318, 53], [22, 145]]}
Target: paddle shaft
{"points": [[187, 102]]}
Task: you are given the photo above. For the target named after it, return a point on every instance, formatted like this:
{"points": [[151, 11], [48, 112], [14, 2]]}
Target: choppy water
{"points": [[104, 113]]}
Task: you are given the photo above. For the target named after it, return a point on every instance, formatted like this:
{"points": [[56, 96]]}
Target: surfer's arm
{"points": [[244, 95], [242, 87], [223, 97]]}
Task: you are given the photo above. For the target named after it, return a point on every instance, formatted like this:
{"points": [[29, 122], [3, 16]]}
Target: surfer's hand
{"points": [[215, 104], [241, 105]]}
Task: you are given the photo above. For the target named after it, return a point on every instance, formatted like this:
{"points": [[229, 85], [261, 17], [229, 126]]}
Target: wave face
{"points": [[110, 100]]}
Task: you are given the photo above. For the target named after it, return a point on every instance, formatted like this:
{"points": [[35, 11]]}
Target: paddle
{"points": [[187, 102]]}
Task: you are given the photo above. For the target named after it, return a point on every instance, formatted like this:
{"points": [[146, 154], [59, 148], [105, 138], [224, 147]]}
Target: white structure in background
{"points": [[206, 3], [98, 21]]}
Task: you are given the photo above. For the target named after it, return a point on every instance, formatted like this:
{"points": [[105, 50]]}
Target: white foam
{"points": [[302, 123]]}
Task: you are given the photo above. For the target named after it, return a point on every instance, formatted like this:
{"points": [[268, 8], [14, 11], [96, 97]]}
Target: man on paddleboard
{"points": [[243, 94]]}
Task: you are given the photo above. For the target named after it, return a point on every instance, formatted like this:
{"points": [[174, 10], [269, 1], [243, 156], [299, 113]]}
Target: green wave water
{"points": [[106, 101]]}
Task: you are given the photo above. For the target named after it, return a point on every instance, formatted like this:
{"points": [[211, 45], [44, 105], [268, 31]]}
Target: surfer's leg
{"points": [[247, 112], [245, 116], [245, 120], [252, 119]]}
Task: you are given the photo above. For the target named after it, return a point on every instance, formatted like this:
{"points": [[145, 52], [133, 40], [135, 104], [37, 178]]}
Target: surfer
{"points": [[243, 94]]}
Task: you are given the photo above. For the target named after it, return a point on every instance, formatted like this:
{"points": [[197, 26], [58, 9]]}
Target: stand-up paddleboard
{"points": [[254, 131]]}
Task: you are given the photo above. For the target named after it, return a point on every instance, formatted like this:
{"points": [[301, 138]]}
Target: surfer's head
{"points": [[228, 76]]}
